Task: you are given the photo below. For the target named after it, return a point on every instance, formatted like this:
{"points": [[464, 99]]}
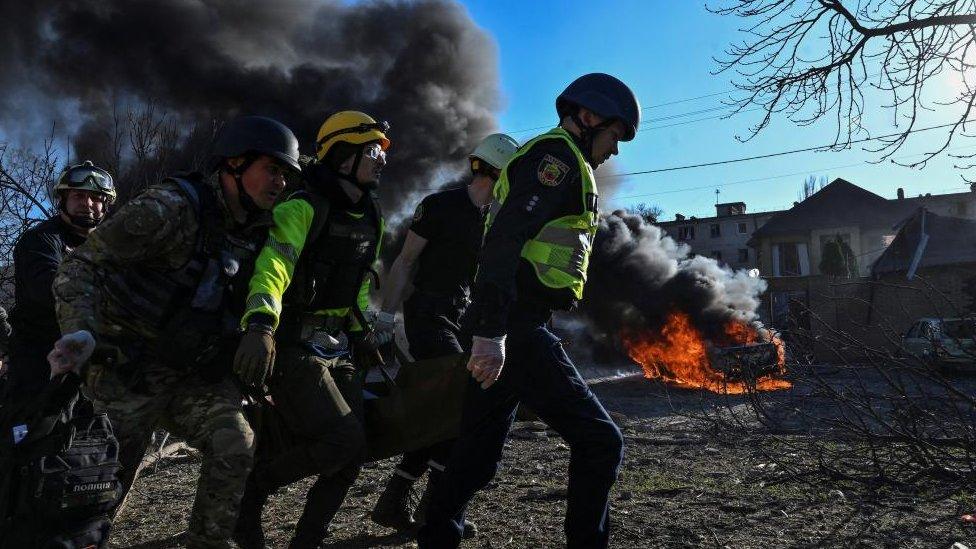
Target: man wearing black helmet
{"points": [[540, 231], [151, 303], [81, 197]]}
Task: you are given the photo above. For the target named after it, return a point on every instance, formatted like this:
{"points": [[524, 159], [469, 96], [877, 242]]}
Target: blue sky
{"points": [[664, 49]]}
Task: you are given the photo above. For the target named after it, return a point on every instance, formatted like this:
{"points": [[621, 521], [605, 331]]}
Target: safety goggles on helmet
{"points": [[382, 126], [89, 177]]}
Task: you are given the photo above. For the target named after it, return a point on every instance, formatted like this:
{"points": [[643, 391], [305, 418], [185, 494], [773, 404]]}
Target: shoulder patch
{"points": [[418, 214], [551, 171]]}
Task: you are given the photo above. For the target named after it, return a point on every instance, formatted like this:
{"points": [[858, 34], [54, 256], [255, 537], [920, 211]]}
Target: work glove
{"points": [[254, 361], [487, 359], [384, 329], [71, 352]]}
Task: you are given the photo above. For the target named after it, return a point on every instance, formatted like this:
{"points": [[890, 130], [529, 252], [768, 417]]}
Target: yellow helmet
{"points": [[350, 127]]}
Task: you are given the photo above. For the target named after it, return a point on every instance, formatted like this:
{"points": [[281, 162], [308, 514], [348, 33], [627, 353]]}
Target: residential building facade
{"points": [[724, 237]]}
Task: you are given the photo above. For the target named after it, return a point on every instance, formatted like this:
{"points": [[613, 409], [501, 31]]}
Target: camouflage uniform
{"points": [[157, 232]]}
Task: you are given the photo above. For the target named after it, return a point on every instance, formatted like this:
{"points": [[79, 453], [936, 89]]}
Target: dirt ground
{"points": [[681, 485]]}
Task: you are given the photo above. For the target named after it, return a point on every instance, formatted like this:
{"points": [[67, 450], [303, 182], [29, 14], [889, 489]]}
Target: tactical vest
{"points": [[560, 252], [193, 307], [58, 471], [330, 276]]}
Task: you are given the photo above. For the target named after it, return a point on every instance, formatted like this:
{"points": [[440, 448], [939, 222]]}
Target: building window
{"points": [[743, 228], [790, 259], [743, 255], [686, 233], [715, 230]]}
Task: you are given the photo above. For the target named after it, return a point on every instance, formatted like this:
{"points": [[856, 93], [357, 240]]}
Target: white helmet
{"points": [[496, 149]]}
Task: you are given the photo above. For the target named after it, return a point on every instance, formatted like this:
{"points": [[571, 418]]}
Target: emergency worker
{"points": [[540, 231], [439, 257], [81, 197], [154, 298], [308, 295]]}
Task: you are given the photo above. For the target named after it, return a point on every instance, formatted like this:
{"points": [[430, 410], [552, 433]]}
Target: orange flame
{"points": [[679, 355]]}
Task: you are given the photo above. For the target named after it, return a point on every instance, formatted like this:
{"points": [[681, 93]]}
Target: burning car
{"points": [[743, 358]]}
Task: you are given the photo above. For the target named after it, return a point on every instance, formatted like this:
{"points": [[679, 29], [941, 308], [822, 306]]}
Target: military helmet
{"points": [[352, 127], [256, 135], [86, 177], [496, 149], [604, 95]]}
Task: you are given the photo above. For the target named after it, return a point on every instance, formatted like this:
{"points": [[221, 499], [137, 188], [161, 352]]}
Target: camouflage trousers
{"points": [[207, 415]]}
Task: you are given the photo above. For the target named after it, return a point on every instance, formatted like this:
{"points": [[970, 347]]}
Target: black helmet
{"points": [[257, 134], [604, 95]]}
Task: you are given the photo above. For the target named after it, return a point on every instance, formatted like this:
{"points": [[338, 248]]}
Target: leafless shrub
{"points": [[870, 419]]}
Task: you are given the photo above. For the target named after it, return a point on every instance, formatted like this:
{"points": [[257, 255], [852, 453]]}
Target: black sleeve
{"points": [[540, 184], [425, 217], [36, 260]]}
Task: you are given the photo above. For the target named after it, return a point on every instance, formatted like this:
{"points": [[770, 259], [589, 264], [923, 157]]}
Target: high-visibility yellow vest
{"points": [[560, 252]]}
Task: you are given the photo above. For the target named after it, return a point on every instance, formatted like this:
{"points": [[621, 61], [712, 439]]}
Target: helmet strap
{"points": [[353, 177], [588, 134], [237, 173]]}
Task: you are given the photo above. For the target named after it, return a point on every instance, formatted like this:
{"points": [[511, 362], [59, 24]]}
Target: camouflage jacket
{"points": [[157, 231]]}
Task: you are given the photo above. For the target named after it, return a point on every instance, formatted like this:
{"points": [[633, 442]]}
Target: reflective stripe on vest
{"points": [[560, 252]]}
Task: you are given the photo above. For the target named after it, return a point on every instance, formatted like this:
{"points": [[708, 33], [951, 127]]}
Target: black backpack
{"points": [[58, 482]]}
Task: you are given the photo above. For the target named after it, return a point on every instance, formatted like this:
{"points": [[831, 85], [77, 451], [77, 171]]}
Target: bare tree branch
{"points": [[805, 59]]}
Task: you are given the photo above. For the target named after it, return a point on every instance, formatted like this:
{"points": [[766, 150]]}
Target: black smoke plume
{"points": [[638, 275], [422, 65]]}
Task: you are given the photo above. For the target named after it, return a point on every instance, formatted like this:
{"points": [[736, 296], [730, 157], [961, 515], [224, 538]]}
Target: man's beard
{"points": [[84, 221]]}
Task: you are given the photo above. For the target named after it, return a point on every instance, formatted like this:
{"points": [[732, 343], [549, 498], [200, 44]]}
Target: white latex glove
{"points": [[487, 359], [384, 328], [70, 352]]}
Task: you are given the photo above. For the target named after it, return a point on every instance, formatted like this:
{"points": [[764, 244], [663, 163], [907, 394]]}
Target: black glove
{"points": [[254, 361]]}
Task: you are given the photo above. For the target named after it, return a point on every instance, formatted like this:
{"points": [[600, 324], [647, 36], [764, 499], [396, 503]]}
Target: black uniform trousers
{"points": [[537, 371], [432, 325], [319, 402]]}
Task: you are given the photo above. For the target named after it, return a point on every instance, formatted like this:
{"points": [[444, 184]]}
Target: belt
{"points": [[306, 326]]}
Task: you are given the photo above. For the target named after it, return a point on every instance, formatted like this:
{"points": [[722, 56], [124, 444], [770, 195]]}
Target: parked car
{"points": [[943, 342]]}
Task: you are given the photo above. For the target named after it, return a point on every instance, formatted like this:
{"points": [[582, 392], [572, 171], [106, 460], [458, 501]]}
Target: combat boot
{"points": [[392, 509]]}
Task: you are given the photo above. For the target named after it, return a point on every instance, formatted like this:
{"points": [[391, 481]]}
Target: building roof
{"points": [[950, 242], [692, 220], [839, 204]]}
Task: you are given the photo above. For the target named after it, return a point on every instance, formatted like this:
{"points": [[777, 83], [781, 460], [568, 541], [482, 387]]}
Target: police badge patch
{"points": [[418, 213], [551, 171]]}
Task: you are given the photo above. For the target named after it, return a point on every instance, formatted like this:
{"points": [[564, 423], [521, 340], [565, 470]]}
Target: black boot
{"points": [[433, 477], [392, 509], [248, 532]]}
